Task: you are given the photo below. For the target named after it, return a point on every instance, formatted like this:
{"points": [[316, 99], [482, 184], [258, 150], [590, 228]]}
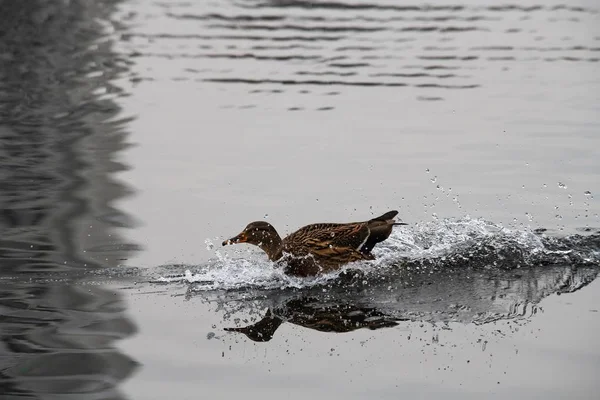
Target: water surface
{"points": [[136, 135]]}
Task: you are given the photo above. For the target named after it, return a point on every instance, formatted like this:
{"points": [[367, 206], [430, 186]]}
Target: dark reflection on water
{"points": [[460, 295], [60, 128], [445, 272], [57, 341], [314, 313]]}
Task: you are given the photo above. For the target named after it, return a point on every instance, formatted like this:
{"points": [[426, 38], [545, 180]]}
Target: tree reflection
{"points": [[60, 130]]}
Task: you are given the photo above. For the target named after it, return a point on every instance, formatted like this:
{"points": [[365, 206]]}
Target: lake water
{"points": [[136, 135]]}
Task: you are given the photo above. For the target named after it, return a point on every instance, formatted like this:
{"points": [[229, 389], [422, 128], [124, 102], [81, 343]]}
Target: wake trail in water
{"points": [[441, 245]]}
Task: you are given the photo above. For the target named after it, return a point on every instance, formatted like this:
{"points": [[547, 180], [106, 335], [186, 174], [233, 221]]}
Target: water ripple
{"points": [[298, 38]]}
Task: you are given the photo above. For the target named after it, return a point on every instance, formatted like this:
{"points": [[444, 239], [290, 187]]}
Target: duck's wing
{"points": [[327, 237], [333, 239], [336, 255]]}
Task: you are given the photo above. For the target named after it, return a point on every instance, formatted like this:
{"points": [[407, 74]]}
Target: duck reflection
{"points": [[310, 312], [464, 295]]}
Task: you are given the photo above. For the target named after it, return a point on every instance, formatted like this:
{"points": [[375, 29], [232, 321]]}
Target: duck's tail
{"points": [[389, 218], [380, 229]]}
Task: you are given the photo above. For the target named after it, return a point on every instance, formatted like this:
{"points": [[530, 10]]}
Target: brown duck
{"points": [[319, 248]]}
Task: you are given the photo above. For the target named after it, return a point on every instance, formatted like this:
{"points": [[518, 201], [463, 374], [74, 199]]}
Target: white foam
{"points": [[438, 241]]}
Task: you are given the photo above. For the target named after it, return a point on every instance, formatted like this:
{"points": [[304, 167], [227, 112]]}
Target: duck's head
{"points": [[261, 234]]}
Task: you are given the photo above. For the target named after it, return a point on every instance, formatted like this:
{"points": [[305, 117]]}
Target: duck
{"points": [[318, 248]]}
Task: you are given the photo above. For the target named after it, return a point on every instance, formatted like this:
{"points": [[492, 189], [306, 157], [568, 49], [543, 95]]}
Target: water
{"points": [[447, 245], [135, 136]]}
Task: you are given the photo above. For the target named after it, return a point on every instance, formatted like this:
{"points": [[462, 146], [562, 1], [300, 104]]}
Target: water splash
{"points": [[425, 247]]}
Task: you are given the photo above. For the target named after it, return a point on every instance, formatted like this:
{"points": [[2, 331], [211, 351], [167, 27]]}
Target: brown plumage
{"points": [[318, 248]]}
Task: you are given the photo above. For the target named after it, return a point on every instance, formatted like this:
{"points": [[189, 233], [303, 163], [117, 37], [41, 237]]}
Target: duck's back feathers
{"points": [[351, 235], [338, 243]]}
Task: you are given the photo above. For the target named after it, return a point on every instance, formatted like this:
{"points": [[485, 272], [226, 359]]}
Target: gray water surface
{"points": [[136, 135]]}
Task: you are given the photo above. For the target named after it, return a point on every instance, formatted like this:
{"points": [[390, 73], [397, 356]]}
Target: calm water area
{"points": [[137, 135]]}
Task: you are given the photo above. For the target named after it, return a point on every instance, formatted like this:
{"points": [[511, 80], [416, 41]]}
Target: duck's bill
{"points": [[241, 238]]}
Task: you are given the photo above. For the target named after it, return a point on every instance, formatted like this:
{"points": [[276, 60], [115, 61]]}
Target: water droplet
{"points": [[562, 185], [557, 216], [266, 216], [332, 234], [544, 185], [434, 179], [529, 216], [587, 193], [427, 171]]}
